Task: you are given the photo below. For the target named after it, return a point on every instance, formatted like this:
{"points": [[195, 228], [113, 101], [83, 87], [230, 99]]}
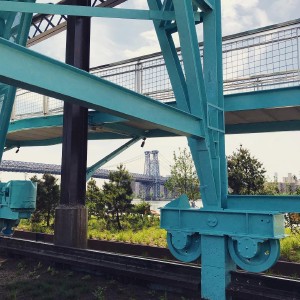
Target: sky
{"points": [[114, 40]]}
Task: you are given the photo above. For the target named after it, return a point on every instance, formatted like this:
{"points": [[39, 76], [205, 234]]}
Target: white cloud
{"points": [[57, 51], [242, 15], [149, 42], [135, 4], [280, 12], [103, 43]]}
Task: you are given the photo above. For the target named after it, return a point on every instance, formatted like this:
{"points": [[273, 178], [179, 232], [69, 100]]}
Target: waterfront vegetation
{"points": [[152, 235], [113, 217], [290, 246], [147, 234]]}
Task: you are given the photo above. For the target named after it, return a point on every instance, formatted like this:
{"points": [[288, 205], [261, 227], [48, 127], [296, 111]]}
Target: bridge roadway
{"points": [[40, 168]]}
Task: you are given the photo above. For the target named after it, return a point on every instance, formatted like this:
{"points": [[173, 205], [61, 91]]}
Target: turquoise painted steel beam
{"points": [[263, 127], [96, 117], [5, 112], [282, 204], [92, 169], [275, 98], [44, 75], [204, 5], [125, 130], [213, 78], [226, 222], [202, 150], [191, 57], [283, 97], [172, 62], [167, 5], [21, 24], [30, 123], [104, 12], [116, 126]]}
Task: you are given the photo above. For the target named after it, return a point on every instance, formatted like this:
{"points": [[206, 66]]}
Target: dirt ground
{"points": [[24, 279]]}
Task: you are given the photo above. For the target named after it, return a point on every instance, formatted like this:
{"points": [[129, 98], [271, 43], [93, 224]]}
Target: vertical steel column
{"points": [[216, 261], [74, 153], [71, 215]]}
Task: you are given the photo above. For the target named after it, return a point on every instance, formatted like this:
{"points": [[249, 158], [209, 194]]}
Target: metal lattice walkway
{"points": [[253, 62]]}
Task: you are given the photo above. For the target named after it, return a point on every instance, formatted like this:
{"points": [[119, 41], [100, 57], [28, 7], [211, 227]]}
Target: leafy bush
{"points": [[290, 247]]}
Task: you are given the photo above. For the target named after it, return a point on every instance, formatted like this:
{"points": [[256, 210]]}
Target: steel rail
{"points": [[283, 268], [184, 278], [168, 275]]}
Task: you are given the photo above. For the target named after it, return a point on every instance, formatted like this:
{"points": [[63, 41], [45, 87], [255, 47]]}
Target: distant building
{"points": [[289, 184]]}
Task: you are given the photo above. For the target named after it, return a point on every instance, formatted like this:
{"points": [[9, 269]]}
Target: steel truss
{"points": [[44, 26]]}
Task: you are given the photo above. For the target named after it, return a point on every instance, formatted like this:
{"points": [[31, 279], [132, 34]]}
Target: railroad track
{"points": [[168, 275]]}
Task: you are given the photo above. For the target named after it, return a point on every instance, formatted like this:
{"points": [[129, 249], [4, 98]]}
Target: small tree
{"points": [[184, 179], [118, 194], [142, 208], [95, 200], [245, 173], [271, 188], [48, 194]]}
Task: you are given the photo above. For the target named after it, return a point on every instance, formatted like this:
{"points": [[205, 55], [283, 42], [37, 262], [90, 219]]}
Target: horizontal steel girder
{"points": [[263, 127], [35, 72], [281, 204], [282, 97], [106, 12], [256, 224]]}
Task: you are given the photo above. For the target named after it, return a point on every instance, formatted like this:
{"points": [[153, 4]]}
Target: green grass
{"points": [[35, 227], [51, 282], [154, 236], [290, 247]]}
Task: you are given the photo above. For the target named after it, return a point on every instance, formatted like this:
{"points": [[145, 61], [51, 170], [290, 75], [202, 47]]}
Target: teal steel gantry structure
{"points": [[228, 230], [18, 197]]}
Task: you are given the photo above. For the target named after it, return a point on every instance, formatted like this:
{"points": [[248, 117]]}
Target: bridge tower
{"points": [[151, 168], [155, 173], [147, 163]]}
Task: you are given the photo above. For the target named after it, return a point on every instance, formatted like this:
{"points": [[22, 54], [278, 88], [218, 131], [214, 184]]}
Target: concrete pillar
{"points": [[71, 226]]}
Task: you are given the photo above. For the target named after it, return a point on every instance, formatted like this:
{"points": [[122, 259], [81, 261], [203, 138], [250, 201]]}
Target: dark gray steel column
{"points": [[71, 215]]}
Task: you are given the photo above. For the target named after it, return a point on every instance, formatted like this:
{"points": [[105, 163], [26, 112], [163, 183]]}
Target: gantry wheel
{"points": [[184, 246], [254, 255], [8, 227], [8, 231]]}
